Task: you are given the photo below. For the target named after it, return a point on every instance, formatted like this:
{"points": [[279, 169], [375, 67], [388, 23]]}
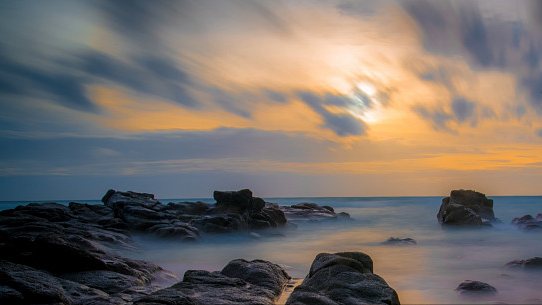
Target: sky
{"points": [[287, 98]]}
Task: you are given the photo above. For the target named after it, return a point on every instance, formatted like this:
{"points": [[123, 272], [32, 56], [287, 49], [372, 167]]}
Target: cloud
{"points": [[539, 133], [439, 118], [157, 77], [341, 124], [462, 109], [474, 38], [21, 80]]}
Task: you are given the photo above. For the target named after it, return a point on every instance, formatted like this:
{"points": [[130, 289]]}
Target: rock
{"points": [[240, 282], [466, 208], [475, 287], [237, 201], [399, 241], [307, 211], [30, 286], [533, 263], [342, 279], [528, 222]]}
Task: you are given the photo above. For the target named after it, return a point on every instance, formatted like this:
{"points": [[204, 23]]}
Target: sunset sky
{"points": [[287, 98]]}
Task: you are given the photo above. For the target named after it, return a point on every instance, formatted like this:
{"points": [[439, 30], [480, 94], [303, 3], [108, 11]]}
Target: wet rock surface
{"points": [[528, 222], [240, 282], [469, 287], [342, 279], [466, 208]]}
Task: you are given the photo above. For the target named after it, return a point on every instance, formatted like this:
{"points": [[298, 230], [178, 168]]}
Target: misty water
{"points": [[427, 272]]}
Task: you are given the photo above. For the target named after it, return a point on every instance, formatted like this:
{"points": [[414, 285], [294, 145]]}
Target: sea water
{"points": [[425, 273]]}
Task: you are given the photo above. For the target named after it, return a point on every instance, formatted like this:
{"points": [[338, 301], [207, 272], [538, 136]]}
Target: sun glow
{"points": [[366, 105]]}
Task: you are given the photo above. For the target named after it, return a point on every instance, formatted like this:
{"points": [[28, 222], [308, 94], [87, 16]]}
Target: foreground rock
{"points": [[240, 282], [466, 208], [342, 279], [312, 212], [533, 263], [528, 222], [394, 241], [475, 288], [51, 253]]}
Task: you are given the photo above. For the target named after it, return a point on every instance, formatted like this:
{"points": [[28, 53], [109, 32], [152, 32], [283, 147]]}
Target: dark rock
{"points": [[235, 201], [107, 281], [399, 241], [30, 286], [528, 264], [240, 282], [342, 279], [308, 211], [466, 208], [475, 287], [528, 222]]}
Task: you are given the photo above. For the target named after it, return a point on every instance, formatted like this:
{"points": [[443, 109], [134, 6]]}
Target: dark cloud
{"points": [[341, 124], [25, 81], [463, 109], [439, 118], [139, 21], [474, 38], [275, 95], [539, 133], [533, 84], [155, 76], [431, 18]]}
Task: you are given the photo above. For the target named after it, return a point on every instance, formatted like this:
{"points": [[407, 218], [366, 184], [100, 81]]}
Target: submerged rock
{"points": [[528, 222], [528, 264], [399, 241], [342, 279], [466, 208], [475, 287], [240, 282], [308, 211]]}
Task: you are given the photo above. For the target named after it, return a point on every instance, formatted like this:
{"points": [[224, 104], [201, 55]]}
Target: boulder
{"points": [[533, 263], [475, 288], [466, 208], [240, 282], [342, 279], [528, 222]]}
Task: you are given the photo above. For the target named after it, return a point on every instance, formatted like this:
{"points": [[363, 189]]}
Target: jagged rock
{"points": [[530, 263], [344, 278], [399, 241], [475, 287], [308, 211], [240, 282], [528, 222], [466, 208]]}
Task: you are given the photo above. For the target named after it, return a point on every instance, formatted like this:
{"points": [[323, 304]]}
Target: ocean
{"points": [[425, 273]]}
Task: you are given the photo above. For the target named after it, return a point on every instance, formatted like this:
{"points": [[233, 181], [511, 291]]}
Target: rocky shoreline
{"points": [[57, 254]]}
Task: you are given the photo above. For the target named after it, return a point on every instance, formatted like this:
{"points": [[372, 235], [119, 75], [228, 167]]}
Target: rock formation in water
{"points": [[344, 278], [311, 212], [475, 288], [528, 222], [533, 263], [466, 208], [240, 282]]}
